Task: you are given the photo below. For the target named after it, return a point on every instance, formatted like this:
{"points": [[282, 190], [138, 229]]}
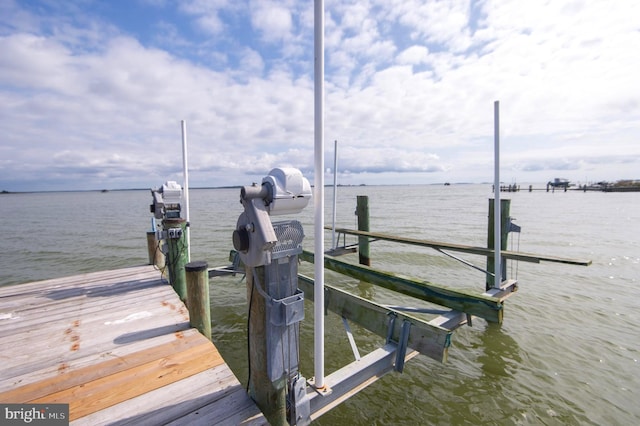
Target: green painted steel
{"points": [[362, 211], [177, 256], [485, 307]]}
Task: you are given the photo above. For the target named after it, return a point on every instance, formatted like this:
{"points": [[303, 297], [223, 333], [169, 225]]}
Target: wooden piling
{"points": [[505, 207], [269, 396], [156, 257], [177, 255], [198, 302], [362, 211]]}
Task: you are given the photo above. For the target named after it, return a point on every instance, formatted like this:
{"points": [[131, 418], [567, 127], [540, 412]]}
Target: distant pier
{"points": [[564, 186]]}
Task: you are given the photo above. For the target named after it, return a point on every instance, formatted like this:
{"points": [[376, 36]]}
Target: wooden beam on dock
{"points": [[482, 251], [482, 306], [428, 339]]}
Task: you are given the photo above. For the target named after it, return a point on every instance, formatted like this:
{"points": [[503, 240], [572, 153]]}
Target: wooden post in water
{"points": [[269, 396], [197, 277], [504, 233], [362, 211], [156, 257], [176, 254]]}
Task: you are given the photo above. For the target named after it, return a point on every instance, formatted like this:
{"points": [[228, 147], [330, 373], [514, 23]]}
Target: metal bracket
{"points": [[352, 342], [288, 310], [512, 227], [299, 408], [392, 323], [401, 350]]}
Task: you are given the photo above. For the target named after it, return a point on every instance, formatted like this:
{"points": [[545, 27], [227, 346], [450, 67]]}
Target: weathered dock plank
{"points": [[117, 347]]}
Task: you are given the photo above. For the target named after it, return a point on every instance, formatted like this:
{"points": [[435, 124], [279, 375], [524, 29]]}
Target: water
{"points": [[567, 353]]}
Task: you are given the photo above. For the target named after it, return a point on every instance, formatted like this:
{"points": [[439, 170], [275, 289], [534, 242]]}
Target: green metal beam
{"points": [[482, 251], [428, 339], [485, 307]]}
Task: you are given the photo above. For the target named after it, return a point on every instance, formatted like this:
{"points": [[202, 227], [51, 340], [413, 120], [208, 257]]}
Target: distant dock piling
{"points": [[508, 188]]}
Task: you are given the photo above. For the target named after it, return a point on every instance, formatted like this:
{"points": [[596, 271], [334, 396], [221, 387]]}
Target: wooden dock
{"points": [[118, 348]]}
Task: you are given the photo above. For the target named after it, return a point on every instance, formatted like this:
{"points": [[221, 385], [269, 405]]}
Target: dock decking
{"points": [[118, 348]]}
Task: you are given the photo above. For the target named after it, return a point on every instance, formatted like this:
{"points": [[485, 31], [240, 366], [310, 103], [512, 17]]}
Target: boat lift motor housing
{"points": [[283, 191], [166, 201], [276, 246]]}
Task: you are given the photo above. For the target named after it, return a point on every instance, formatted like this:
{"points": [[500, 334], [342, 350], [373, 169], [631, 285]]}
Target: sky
{"points": [[93, 92]]}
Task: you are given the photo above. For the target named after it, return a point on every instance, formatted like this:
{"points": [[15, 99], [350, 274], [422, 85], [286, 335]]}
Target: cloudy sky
{"points": [[93, 92]]}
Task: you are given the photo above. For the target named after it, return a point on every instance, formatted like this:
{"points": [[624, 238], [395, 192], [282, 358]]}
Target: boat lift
{"points": [[270, 251]]}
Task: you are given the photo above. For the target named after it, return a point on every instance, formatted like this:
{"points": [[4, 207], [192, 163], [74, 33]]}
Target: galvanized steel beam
{"points": [[428, 339]]}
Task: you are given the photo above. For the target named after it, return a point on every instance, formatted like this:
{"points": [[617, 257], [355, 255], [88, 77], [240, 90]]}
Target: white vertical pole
{"points": [[335, 192], [497, 211], [318, 289], [185, 170]]}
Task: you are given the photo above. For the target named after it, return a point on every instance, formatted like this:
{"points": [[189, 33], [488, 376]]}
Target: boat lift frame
{"points": [[406, 336]]}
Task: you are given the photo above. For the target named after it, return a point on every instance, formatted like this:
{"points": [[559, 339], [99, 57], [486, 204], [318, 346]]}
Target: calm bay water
{"points": [[567, 353]]}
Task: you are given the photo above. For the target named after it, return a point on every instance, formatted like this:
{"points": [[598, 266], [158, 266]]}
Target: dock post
{"points": [[156, 257], [176, 254], [505, 207], [198, 302], [269, 396], [362, 211]]}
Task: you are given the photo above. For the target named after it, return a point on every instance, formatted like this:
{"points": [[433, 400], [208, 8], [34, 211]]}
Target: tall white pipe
{"points": [[185, 171], [497, 211], [335, 193], [318, 112]]}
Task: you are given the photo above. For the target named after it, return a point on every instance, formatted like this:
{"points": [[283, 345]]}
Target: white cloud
{"points": [[272, 20], [251, 61], [442, 22], [414, 55], [207, 13], [409, 92]]}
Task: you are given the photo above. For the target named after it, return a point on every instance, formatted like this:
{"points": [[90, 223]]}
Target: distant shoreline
{"points": [[623, 184]]}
